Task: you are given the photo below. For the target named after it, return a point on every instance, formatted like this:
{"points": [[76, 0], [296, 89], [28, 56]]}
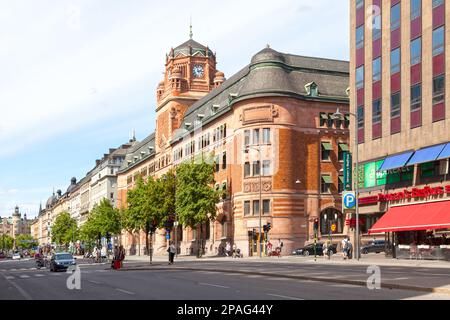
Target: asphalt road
{"points": [[21, 280]]}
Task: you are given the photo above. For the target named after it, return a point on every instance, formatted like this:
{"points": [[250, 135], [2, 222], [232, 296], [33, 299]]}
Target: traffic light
{"points": [[269, 226], [265, 228]]}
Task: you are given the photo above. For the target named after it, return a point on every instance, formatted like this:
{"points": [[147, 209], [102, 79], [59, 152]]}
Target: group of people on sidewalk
{"points": [[232, 251]]}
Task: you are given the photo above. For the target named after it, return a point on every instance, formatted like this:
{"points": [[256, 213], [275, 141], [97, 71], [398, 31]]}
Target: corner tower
{"points": [[189, 75]]}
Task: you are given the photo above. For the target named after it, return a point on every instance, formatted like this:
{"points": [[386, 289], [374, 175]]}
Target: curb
{"points": [[268, 274]]}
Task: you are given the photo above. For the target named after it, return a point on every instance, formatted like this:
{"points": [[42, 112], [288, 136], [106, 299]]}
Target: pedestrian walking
{"points": [[234, 250], [349, 249], [171, 251], [121, 255], [228, 249], [345, 248], [115, 258], [279, 247]]}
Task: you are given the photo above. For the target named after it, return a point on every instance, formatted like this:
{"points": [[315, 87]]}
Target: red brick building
{"points": [[278, 106]]}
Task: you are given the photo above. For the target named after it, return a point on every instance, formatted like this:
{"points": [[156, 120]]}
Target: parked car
{"points": [[376, 246], [309, 250], [16, 256], [2, 255], [61, 261]]}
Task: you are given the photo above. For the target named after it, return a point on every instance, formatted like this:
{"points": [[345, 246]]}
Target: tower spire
{"points": [[190, 28]]}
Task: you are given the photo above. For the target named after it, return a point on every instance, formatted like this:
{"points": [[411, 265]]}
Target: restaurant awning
{"points": [[426, 154], [445, 153], [396, 161], [423, 216]]}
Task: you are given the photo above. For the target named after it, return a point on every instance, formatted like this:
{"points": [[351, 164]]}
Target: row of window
{"points": [[327, 147], [219, 133], [438, 41], [254, 170], [326, 182], [326, 120], [415, 101], [254, 137], [162, 162], [415, 12], [252, 207]]}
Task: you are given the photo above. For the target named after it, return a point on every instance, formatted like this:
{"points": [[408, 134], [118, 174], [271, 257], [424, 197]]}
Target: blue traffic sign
{"points": [[348, 200], [167, 236]]}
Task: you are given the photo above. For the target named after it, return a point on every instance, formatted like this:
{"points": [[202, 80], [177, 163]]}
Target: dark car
{"points": [[61, 261], [309, 250], [2, 255], [376, 246]]}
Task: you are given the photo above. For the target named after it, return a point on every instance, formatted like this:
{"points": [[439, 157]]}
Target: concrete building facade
{"points": [[399, 92]]}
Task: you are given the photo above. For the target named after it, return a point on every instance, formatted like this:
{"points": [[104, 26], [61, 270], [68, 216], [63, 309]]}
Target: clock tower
{"points": [[190, 71]]}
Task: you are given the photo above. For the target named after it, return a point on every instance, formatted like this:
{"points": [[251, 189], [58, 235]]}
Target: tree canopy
{"points": [[25, 241], [64, 229], [196, 198], [6, 242], [103, 221]]}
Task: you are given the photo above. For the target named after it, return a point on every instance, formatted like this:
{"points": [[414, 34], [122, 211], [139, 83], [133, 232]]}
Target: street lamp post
{"points": [[260, 194], [338, 116]]}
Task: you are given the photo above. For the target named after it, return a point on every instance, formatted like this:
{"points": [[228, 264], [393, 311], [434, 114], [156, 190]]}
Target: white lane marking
{"points": [[213, 285], [125, 291], [23, 269], [10, 278], [39, 275], [24, 276], [12, 269], [95, 282], [286, 297]]}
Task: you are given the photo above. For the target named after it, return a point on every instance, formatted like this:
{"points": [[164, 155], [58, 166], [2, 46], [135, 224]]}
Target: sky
{"points": [[76, 77]]}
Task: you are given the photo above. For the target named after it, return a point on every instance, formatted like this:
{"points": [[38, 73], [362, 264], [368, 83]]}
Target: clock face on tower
{"points": [[197, 71]]}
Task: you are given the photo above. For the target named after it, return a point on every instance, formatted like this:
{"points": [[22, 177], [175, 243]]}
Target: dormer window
{"points": [[187, 124], [214, 108], [312, 89], [200, 116]]}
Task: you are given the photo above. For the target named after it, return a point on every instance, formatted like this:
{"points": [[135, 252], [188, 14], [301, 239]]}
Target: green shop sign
{"points": [[369, 176]]}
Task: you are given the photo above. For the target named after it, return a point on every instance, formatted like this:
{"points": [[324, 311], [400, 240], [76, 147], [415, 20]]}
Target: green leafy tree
{"points": [[104, 220], [196, 198], [64, 229], [142, 206], [25, 241], [6, 242]]}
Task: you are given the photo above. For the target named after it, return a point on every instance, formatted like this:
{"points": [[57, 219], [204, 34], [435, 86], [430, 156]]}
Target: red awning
{"points": [[423, 216]]}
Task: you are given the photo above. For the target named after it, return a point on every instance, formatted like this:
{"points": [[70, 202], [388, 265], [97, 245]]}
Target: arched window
{"points": [[328, 217]]}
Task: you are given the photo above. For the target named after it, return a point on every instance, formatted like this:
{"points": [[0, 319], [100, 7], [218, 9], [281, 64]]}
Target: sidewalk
{"points": [[424, 276], [365, 260]]}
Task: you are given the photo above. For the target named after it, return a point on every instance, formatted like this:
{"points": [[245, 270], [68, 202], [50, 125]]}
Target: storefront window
{"points": [[428, 169], [368, 220]]}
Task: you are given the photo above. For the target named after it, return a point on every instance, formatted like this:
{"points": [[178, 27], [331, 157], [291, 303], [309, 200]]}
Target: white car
{"points": [[16, 256]]}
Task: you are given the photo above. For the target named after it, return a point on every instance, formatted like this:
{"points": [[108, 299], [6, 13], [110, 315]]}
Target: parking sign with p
{"points": [[348, 200]]}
